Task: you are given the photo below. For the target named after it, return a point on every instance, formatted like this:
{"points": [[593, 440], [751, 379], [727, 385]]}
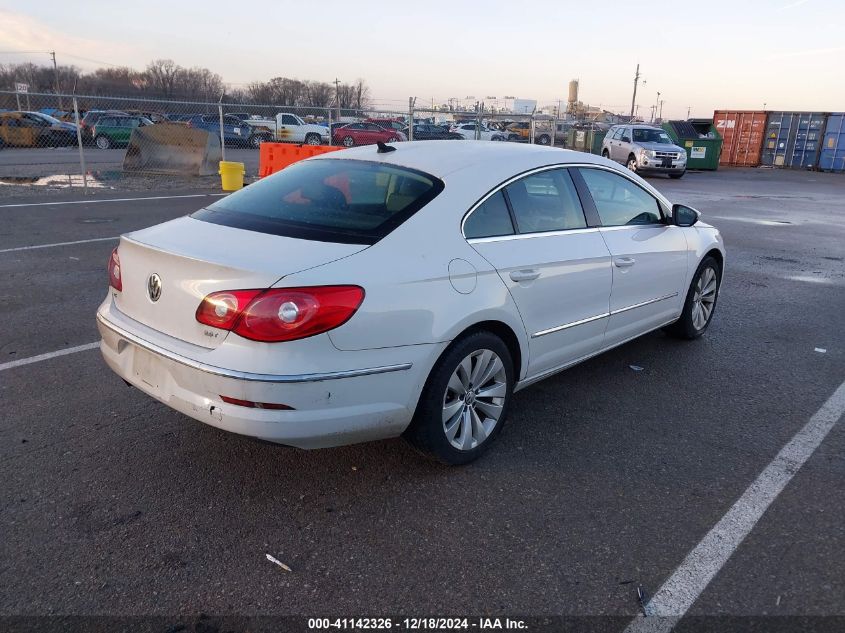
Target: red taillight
{"points": [[115, 280], [222, 309], [280, 314]]}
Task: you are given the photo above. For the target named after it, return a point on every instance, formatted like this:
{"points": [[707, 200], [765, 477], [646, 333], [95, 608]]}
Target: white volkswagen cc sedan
{"points": [[407, 290]]}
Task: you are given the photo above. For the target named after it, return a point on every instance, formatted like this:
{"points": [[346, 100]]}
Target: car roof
{"points": [[443, 159]]}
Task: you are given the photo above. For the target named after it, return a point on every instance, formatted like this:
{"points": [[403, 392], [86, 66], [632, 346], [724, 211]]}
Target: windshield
{"points": [[328, 200], [646, 135], [47, 117]]}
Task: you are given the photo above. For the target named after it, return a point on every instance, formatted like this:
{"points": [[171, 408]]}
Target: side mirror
{"points": [[683, 215], [626, 139]]}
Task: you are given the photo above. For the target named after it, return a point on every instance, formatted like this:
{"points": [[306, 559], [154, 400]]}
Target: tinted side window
{"points": [[546, 201], [287, 119], [491, 219], [619, 201]]}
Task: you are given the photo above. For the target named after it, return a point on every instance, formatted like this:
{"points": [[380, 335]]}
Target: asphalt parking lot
{"points": [[603, 481]]}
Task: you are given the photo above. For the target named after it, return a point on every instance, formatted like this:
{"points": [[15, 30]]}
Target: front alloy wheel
{"points": [[348, 141], [700, 301], [632, 163], [704, 299]]}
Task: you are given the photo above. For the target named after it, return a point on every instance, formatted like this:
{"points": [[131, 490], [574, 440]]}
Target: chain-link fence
{"points": [[62, 141]]}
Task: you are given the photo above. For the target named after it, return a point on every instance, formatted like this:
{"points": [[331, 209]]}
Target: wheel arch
{"points": [[716, 254], [504, 332]]}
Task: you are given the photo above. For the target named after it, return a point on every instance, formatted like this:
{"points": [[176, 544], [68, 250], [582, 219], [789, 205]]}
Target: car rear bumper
{"points": [[328, 408]]}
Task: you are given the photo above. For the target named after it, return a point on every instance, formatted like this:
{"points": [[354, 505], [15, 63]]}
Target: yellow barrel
{"points": [[232, 175]]}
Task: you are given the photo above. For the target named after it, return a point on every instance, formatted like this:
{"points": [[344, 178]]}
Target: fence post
{"points": [[79, 143], [554, 130], [222, 136], [329, 111], [411, 101], [531, 129]]}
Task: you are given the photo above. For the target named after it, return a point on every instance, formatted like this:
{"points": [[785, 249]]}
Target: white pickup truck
{"points": [[289, 128]]}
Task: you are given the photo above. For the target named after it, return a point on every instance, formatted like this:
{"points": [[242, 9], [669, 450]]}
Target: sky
{"points": [[701, 56]]}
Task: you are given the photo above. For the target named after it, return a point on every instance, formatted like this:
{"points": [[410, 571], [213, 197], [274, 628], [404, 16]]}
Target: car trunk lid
{"points": [[192, 259]]}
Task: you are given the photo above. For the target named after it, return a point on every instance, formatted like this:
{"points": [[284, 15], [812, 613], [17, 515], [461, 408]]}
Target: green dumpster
{"points": [[585, 140], [700, 139]]}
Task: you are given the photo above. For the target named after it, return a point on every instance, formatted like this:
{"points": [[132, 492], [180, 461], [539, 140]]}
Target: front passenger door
{"points": [[649, 255]]}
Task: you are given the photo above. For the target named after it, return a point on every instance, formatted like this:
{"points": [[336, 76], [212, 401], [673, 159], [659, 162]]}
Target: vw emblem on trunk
{"points": [[154, 287]]}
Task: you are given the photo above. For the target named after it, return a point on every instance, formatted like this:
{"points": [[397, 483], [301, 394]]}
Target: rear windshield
{"points": [[328, 200]]}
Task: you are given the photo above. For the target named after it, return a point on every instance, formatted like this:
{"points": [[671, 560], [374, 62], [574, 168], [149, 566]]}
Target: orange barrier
{"points": [[275, 156]]}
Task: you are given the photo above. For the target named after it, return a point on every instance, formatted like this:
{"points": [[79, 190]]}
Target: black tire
{"points": [[631, 163], [256, 140], [676, 176], [103, 142], [427, 432], [684, 327], [544, 139], [348, 141], [312, 139], [605, 154]]}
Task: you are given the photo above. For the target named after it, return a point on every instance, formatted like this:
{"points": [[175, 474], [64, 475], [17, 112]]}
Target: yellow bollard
{"points": [[232, 175]]}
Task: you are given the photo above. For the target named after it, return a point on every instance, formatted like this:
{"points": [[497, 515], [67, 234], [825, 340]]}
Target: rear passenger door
{"points": [[649, 254], [556, 266]]}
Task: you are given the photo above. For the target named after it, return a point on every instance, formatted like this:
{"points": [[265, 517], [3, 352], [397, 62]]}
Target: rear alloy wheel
{"points": [[544, 139], [312, 139], [103, 142], [257, 140], [348, 141], [465, 400], [700, 302], [632, 163]]}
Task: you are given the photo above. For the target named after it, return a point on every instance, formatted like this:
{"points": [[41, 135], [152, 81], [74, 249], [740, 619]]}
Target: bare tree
{"points": [[162, 75]]}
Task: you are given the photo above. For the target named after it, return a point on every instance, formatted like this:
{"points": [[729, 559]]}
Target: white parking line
{"points": [[51, 204], [29, 248], [48, 356], [691, 578]]}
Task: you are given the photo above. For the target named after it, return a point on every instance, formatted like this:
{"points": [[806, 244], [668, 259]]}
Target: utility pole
{"points": [[661, 111], [337, 96], [56, 72], [656, 103], [688, 111], [634, 98]]}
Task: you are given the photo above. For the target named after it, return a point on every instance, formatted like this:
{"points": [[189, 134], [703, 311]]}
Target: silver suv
{"points": [[644, 148]]}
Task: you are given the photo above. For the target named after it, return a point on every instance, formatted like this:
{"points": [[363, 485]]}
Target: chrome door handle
{"points": [[624, 262], [525, 275]]}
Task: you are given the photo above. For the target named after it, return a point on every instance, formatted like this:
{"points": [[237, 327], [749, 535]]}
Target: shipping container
{"points": [[742, 133], [832, 157], [793, 139]]}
